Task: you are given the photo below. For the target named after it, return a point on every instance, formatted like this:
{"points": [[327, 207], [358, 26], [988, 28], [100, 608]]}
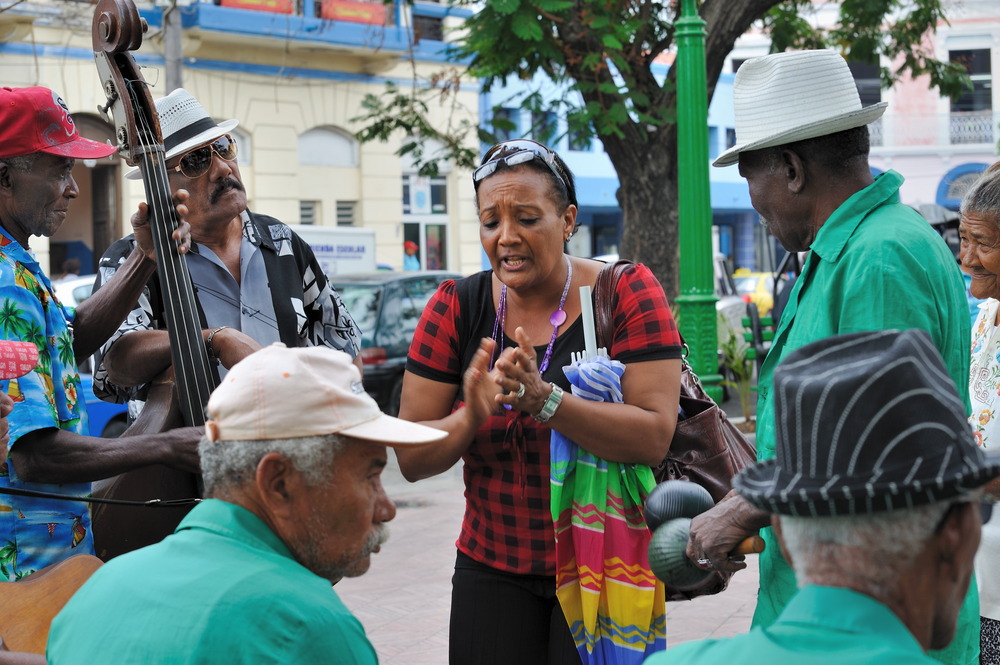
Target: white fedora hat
{"points": [[184, 124], [786, 97]]}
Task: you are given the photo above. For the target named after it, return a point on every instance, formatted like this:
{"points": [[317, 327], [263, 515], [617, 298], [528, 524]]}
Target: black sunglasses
{"points": [[512, 153], [196, 163]]}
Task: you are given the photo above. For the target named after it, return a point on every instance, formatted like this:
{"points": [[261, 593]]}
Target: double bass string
{"points": [[195, 379]]}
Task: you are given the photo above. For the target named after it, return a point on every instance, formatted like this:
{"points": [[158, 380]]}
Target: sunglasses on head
{"points": [[195, 163], [512, 153]]}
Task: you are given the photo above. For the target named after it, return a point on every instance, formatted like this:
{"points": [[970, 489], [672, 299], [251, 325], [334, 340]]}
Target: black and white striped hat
{"points": [[865, 423]]}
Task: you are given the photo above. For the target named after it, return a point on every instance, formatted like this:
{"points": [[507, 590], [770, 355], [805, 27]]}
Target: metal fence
{"points": [[973, 127]]}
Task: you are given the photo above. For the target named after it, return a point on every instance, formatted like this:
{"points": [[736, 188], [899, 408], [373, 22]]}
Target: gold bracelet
{"points": [[212, 358]]}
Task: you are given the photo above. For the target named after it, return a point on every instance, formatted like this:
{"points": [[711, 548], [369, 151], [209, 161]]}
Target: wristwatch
{"points": [[551, 404]]}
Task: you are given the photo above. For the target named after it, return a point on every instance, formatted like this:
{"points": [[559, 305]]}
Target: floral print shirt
{"points": [[984, 375], [35, 533], [984, 393]]}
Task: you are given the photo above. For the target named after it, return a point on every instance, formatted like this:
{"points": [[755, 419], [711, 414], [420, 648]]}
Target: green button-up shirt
{"points": [[222, 589], [874, 265], [820, 625]]}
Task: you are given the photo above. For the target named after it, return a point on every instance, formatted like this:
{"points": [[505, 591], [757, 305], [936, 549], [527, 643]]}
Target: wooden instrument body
{"points": [[119, 529], [30, 604]]}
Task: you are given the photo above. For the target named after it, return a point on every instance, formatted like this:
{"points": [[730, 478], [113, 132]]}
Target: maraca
{"points": [[669, 509]]}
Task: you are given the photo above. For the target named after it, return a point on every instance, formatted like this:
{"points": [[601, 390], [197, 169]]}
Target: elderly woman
{"points": [[980, 256], [485, 365]]}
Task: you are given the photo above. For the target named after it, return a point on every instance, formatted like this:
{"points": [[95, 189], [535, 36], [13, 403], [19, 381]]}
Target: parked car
{"points": [[730, 307], [758, 288], [386, 306], [105, 418], [74, 290]]}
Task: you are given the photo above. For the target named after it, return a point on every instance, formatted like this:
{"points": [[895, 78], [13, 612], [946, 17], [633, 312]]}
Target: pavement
{"points": [[404, 600]]}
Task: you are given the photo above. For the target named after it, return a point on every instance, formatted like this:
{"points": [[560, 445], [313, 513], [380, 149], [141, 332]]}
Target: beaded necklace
{"points": [[557, 318]]}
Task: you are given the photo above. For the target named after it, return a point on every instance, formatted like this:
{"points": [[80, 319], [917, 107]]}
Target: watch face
{"points": [[551, 404]]}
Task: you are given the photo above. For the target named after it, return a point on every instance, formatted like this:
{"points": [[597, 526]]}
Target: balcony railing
{"points": [[972, 127], [903, 127], [875, 133]]}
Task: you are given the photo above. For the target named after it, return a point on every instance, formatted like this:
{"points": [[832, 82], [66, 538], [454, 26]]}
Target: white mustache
{"points": [[378, 537]]}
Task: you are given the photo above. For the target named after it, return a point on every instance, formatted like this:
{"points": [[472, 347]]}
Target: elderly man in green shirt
{"points": [[875, 496], [292, 460], [873, 264]]}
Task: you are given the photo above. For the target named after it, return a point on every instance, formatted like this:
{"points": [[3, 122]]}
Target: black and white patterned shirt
{"points": [[283, 296]]}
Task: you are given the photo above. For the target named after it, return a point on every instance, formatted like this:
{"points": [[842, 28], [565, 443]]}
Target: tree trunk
{"points": [[647, 170], [647, 195]]}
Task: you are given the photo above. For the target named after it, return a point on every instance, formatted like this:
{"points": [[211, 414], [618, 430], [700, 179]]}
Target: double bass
{"points": [[177, 398]]}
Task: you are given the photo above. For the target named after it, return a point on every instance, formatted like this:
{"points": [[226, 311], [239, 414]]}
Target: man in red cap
{"points": [[47, 451], [410, 259]]}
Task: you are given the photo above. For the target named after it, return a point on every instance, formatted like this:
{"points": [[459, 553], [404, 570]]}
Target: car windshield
{"points": [[362, 301], [746, 284]]}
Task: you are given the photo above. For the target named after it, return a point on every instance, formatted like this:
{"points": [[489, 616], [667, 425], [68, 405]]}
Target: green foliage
{"points": [[868, 29], [740, 368], [601, 52], [396, 111], [600, 55]]}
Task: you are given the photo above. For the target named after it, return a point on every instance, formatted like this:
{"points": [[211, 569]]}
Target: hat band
{"points": [[194, 129]]}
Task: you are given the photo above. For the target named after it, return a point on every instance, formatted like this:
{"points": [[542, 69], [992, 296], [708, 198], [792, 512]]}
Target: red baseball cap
{"points": [[17, 358], [37, 120]]}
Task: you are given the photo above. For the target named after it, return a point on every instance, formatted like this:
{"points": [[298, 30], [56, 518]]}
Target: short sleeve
{"points": [[644, 327], [339, 640], [434, 352], [140, 318]]}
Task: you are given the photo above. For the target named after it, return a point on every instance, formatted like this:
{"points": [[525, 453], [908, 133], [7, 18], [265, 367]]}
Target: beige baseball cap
{"points": [[281, 393]]}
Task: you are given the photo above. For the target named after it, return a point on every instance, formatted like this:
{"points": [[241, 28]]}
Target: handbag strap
{"points": [[605, 302], [606, 299]]}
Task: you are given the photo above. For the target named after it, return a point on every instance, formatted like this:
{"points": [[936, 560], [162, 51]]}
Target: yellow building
{"points": [[294, 74]]}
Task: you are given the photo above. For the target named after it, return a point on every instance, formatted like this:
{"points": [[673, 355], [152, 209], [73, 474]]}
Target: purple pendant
{"points": [[558, 318]]}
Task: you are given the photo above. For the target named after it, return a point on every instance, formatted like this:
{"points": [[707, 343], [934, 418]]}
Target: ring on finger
{"points": [[520, 391], [704, 563]]}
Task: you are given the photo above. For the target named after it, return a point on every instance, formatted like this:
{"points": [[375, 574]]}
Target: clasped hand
{"points": [[513, 382]]}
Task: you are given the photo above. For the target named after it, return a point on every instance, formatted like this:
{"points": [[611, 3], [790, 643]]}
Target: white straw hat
{"points": [[282, 393], [786, 97], [185, 124]]}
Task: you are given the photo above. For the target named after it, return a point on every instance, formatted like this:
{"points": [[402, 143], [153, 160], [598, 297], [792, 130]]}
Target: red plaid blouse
{"points": [[507, 522]]}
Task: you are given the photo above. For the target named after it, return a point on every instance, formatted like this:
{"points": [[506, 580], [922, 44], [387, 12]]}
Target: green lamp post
{"points": [[696, 302]]}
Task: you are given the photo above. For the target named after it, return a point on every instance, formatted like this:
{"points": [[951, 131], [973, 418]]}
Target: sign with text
{"points": [[350, 10]]}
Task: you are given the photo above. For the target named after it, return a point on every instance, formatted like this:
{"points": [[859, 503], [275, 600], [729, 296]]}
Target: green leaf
{"points": [[528, 30], [611, 42], [554, 6], [505, 6]]}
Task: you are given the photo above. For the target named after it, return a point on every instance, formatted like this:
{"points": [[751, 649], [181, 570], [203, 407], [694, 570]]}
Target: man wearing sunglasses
{"points": [[256, 281]]}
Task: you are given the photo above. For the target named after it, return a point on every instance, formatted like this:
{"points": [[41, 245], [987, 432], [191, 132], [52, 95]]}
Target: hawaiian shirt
{"points": [[282, 296], [984, 374], [35, 533]]}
